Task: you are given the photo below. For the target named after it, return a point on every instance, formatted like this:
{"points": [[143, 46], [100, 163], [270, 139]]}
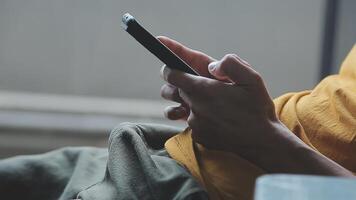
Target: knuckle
{"points": [[164, 91], [184, 95], [192, 119], [257, 76], [230, 58], [170, 92], [169, 77], [174, 92], [228, 61], [167, 74]]}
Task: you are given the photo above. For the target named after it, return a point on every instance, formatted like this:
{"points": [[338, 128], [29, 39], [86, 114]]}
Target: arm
{"points": [[292, 155], [228, 108]]}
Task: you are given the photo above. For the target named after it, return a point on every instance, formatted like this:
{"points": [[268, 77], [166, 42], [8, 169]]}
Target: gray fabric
{"points": [[135, 166]]}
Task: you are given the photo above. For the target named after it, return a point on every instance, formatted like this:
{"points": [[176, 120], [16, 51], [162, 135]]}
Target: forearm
{"points": [[312, 162], [288, 154]]}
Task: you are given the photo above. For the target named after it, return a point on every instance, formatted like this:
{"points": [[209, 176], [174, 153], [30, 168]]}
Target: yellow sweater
{"points": [[324, 118]]}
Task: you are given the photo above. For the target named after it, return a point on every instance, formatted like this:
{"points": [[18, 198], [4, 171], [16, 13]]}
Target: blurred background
{"points": [[69, 73]]}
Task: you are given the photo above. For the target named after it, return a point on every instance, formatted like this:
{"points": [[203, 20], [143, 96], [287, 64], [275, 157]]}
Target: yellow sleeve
{"points": [[325, 118]]}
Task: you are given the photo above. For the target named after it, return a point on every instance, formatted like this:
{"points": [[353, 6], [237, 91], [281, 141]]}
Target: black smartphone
{"points": [[155, 46]]}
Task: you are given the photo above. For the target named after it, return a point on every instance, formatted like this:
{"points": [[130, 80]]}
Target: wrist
{"points": [[288, 154], [275, 151]]}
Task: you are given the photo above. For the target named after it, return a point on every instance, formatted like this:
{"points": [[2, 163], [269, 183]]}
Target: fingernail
{"points": [[165, 69], [161, 71], [212, 66]]}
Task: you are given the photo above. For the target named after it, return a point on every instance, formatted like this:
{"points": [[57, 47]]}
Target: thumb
{"points": [[232, 68]]}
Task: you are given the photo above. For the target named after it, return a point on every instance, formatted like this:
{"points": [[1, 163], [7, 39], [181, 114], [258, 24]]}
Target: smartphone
{"points": [[155, 46]]}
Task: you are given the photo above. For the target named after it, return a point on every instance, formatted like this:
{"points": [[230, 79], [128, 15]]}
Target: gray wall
{"points": [[78, 47], [345, 36]]}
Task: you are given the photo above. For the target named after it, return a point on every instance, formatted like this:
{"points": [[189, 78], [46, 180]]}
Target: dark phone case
{"points": [[155, 46]]}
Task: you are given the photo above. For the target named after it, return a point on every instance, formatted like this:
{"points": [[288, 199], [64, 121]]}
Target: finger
{"points": [[196, 59], [185, 81], [234, 69], [176, 112], [186, 98], [171, 93], [216, 74]]}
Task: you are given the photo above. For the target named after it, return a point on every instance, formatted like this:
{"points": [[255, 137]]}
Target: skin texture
{"points": [[228, 108]]}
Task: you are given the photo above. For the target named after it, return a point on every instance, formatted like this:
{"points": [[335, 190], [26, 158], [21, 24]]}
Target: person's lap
{"points": [[135, 166]]}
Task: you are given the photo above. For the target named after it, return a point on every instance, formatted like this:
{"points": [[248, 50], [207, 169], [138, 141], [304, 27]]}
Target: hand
{"points": [[231, 112], [228, 108]]}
